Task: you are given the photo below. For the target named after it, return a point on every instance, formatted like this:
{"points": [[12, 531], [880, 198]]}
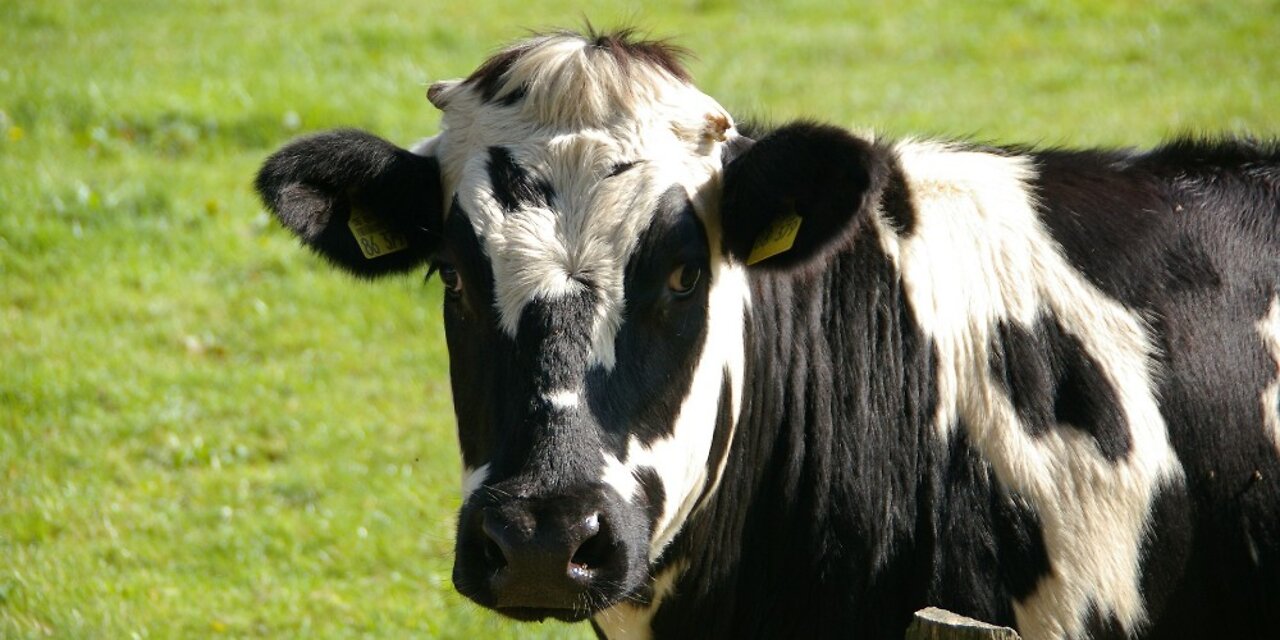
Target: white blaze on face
{"points": [[980, 256], [1269, 329]]}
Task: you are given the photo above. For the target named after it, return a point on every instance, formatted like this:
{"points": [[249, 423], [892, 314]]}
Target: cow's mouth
{"points": [[538, 614]]}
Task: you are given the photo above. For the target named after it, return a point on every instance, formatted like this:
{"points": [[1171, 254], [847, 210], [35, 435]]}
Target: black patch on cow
{"points": [[1019, 538], [553, 340], [621, 168], [488, 77], [659, 345], [514, 96], [475, 344], [895, 203], [314, 183], [654, 495], [512, 185], [980, 529], [826, 176], [1190, 268], [1166, 545], [1145, 227], [1102, 626], [1052, 379]]}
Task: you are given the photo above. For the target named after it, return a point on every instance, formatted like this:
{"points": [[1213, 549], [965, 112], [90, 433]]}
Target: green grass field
{"points": [[204, 431]]}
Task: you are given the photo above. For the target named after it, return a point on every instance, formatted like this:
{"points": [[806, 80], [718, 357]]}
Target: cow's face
{"points": [[582, 287], [594, 304]]}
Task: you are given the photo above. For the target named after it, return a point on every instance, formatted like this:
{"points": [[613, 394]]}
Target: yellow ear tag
{"points": [[777, 238], [374, 238]]}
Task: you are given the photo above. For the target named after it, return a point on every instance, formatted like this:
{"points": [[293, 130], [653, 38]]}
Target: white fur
{"points": [[473, 479], [563, 400], [979, 256], [1269, 329], [626, 621]]}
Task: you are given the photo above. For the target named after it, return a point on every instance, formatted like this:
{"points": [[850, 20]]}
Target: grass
{"points": [[204, 431]]}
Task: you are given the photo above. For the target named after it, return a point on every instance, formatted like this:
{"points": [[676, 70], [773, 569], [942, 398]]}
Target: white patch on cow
{"points": [[620, 477], [980, 255], [582, 115], [681, 459], [563, 400], [473, 479], [629, 621], [1269, 329], [425, 147]]}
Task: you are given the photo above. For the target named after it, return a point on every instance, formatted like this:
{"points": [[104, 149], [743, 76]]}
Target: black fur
{"points": [[512, 185], [813, 532], [314, 182], [979, 523], [1052, 379], [659, 344], [821, 173]]}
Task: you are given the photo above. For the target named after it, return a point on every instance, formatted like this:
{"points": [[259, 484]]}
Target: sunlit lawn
{"points": [[205, 431]]}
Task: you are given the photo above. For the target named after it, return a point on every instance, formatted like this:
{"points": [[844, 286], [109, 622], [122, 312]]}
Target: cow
{"points": [[794, 381]]}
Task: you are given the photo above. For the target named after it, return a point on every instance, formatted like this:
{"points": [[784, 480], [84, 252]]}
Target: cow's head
{"points": [[595, 298]]}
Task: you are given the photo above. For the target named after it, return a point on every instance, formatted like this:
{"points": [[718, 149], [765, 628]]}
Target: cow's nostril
{"points": [[595, 549], [493, 554]]}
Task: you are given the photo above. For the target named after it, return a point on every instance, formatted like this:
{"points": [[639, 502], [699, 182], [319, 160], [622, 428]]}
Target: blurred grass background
{"points": [[205, 431]]}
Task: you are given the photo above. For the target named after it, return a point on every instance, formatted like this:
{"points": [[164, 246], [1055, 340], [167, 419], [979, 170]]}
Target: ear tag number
{"points": [[777, 238], [374, 238]]}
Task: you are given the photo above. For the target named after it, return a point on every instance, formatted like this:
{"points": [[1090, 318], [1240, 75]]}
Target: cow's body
{"points": [[1036, 388], [884, 464]]}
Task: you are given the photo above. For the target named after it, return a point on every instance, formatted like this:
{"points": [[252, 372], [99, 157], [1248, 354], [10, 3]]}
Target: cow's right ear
{"points": [[368, 206]]}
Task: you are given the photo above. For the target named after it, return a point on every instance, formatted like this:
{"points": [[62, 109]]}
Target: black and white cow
{"points": [[1039, 388]]}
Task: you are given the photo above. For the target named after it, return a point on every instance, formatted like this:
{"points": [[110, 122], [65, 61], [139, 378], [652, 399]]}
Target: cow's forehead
{"points": [[630, 98], [568, 115]]}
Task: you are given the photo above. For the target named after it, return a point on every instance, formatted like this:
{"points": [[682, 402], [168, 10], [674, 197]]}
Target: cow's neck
{"points": [[836, 383]]}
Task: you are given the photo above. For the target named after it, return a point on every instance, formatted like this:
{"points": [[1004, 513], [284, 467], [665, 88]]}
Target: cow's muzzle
{"points": [[564, 557]]}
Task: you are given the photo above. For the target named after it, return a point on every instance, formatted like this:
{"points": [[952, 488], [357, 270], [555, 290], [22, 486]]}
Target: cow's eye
{"points": [[452, 281], [684, 279]]}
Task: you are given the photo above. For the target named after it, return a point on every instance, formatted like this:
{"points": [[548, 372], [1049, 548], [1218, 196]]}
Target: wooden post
{"points": [[939, 624]]}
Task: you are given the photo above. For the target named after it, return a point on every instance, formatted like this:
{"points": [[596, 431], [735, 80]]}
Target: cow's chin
{"points": [[535, 614], [584, 606]]}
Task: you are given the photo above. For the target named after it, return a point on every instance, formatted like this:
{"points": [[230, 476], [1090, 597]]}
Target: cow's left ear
{"points": [[365, 204], [798, 193]]}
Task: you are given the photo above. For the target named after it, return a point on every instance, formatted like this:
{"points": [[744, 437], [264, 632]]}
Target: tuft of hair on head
{"points": [[565, 77]]}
